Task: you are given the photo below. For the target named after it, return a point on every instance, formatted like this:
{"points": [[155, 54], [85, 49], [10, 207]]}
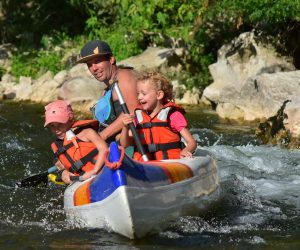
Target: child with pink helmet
{"points": [[78, 148]]}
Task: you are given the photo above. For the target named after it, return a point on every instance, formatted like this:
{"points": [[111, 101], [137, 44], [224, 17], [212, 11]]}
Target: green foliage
{"points": [[138, 24], [36, 63], [130, 26], [25, 22], [28, 62]]}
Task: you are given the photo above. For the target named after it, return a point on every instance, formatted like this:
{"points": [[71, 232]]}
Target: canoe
{"points": [[141, 198]]}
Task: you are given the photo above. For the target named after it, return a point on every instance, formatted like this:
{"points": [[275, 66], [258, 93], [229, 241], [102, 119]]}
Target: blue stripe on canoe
{"points": [[144, 172], [109, 180], [106, 183]]}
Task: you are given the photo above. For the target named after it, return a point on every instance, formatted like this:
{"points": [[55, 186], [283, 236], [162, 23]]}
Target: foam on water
{"points": [[273, 172]]}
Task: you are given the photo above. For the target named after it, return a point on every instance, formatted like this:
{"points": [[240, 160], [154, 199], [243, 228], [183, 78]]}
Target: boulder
{"points": [[292, 117], [245, 70], [81, 92], [7, 87], [284, 127], [273, 131], [24, 88], [190, 97], [44, 89], [155, 58], [80, 70], [61, 77], [260, 97]]}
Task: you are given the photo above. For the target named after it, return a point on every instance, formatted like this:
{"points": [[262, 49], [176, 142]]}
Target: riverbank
{"points": [[252, 84]]}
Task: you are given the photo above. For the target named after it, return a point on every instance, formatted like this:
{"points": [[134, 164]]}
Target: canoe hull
{"points": [[140, 207]]}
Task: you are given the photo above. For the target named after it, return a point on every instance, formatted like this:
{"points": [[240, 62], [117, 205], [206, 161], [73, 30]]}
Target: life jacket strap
{"points": [[152, 124], [61, 149], [152, 148], [163, 146], [76, 166]]}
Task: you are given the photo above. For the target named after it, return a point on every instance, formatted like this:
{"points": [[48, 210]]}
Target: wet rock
{"points": [[292, 120], [273, 131]]}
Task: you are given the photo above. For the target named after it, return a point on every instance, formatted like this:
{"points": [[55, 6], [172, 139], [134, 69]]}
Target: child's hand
{"points": [[59, 165], [87, 175], [184, 153], [65, 176], [127, 119]]}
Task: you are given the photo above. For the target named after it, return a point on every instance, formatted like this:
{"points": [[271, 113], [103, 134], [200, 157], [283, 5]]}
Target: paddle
{"points": [[35, 180], [131, 125]]}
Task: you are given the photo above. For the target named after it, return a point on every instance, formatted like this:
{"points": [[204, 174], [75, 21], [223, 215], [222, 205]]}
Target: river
{"points": [[258, 206]]}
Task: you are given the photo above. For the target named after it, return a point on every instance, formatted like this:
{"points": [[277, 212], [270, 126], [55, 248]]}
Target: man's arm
{"points": [[128, 87], [127, 84], [112, 129]]}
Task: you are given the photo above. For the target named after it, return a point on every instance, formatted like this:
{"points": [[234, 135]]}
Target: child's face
{"points": [[59, 129], [148, 96]]}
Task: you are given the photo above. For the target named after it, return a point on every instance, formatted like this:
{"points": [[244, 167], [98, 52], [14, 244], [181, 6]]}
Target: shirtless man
{"points": [[102, 64]]}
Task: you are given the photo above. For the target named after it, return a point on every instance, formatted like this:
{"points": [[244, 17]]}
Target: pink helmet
{"points": [[58, 111]]}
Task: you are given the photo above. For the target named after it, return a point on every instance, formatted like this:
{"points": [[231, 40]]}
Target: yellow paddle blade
{"points": [[52, 177]]}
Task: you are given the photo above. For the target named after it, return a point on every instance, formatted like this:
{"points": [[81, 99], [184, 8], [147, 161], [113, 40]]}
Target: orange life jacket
{"points": [[77, 156], [157, 137]]}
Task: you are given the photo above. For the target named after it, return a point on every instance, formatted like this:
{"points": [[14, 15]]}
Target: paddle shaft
{"points": [[35, 180], [131, 125]]}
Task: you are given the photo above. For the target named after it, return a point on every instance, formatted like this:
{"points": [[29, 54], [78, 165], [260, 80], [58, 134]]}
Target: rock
{"points": [[283, 128], [260, 97], [7, 78], [24, 88], [244, 71], [45, 77], [61, 77], [80, 70], [7, 87], [81, 92], [273, 130], [9, 94], [45, 91], [154, 58], [292, 118], [2, 89], [223, 109], [190, 97]]}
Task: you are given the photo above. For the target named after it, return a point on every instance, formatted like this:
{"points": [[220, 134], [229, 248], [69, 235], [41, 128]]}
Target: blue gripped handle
{"points": [[52, 169]]}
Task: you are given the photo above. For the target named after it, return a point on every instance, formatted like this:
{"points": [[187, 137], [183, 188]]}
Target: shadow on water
{"points": [[258, 206]]}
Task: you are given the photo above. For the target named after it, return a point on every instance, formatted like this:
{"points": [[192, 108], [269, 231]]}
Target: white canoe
{"points": [[141, 198]]}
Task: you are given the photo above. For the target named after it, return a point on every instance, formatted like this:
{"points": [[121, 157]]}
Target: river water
{"points": [[258, 206]]}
